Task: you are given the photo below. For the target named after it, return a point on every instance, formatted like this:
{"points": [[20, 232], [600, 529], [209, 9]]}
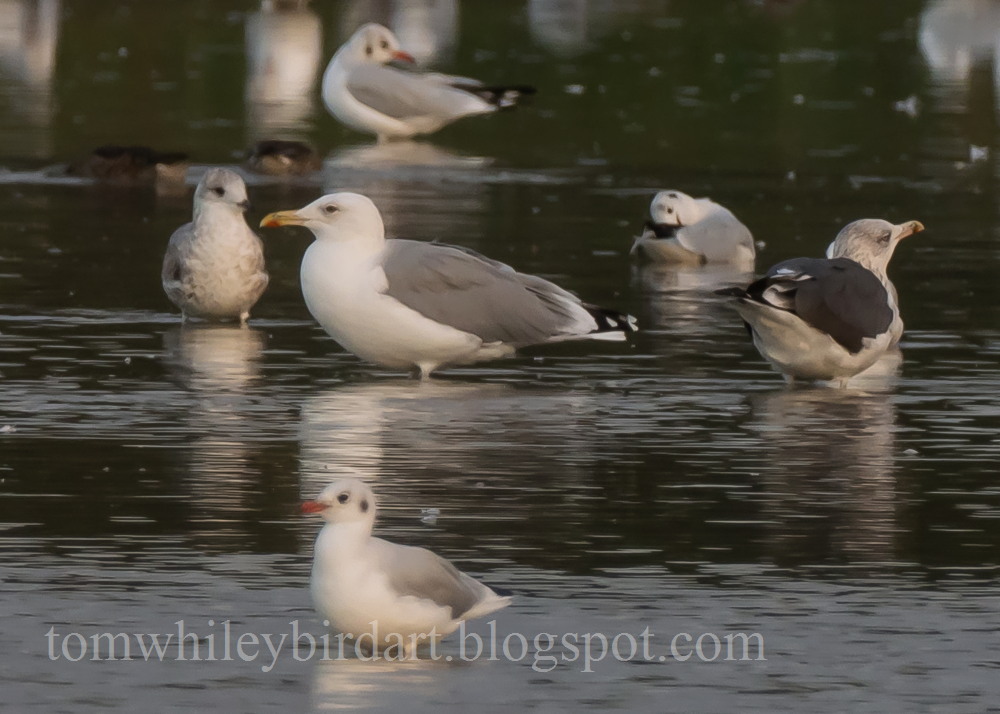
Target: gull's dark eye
{"points": [[385, 45], [884, 238], [219, 191], [329, 208], [344, 497], [369, 50], [670, 210]]}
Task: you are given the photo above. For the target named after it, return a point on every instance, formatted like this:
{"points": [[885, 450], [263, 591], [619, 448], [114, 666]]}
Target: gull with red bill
{"points": [[828, 318], [370, 87], [363, 584]]}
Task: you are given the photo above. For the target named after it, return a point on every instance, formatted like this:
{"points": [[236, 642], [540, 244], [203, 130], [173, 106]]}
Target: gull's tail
{"points": [[503, 96], [611, 324]]}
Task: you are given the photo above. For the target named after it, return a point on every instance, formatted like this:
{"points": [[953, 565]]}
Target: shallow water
{"points": [[151, 473]]}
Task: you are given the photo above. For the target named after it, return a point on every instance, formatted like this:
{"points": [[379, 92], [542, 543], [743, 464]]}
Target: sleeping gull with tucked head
{"points": [[828, 318], [362, 584], [214, 266], [415, 305], [366, 88], [694, 231]]}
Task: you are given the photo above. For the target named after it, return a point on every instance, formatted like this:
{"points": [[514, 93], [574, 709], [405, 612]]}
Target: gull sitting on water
{"points": [[694, 231], [367, 93], [214, 266], [828, 318], [362, 584], [409, 304]]}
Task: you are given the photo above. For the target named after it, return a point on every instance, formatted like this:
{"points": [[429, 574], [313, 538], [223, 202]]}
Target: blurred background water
{"points": [[150, 473]]}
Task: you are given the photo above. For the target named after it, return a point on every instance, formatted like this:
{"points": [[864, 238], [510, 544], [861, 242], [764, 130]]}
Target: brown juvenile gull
{"points": [[361, 583], [694, 231], [827, 318], [214, 266], [367, 93], [415, 305]]}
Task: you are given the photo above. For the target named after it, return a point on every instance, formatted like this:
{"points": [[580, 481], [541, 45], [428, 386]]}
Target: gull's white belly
{"points": [[351, 591], [343, 293]]}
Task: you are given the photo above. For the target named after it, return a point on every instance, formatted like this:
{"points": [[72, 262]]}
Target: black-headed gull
{"points": [[401, 594], [694, 231], [827, 318], [214, 266], [414, 305], [367, 93]]}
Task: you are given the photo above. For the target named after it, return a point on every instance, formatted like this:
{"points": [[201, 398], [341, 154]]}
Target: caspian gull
{"points": [[366, 92], [694, 231], [214, 266], [416, 305], [363, 584], [827, 318]]}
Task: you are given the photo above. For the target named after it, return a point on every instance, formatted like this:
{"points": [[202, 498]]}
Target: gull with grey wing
{"points": [[367, 88], [363, 584], [416, 305]]}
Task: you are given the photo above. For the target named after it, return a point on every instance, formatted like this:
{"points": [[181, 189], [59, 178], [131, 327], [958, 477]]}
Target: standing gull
{"points": [[694, 231], [402, 594], [409, 304], [827, 318], [366, 92], [214, 266]]}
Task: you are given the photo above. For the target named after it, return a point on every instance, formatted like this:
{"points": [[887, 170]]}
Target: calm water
{"points": [[150, 474]]}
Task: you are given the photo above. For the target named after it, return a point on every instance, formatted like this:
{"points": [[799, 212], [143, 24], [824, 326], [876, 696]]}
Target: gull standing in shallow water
{"points": [[214, 266], [367, 93], [694, 231], [402, 594], [409, 304], [828, 318]]}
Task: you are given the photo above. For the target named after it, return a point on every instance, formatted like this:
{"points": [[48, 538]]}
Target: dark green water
{"points": [[150, 474]]}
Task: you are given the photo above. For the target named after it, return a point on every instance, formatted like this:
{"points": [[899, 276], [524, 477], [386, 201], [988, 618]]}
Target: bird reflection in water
{"points": [[829, 484], [29, 35], [220, 366], [678, 295], [284, 46]]}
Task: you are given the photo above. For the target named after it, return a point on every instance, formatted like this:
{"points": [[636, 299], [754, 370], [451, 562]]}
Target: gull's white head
{"points": [[221, 188], [337, 216], [372, 44], [345, 501], [674, 209], [871, 242]]}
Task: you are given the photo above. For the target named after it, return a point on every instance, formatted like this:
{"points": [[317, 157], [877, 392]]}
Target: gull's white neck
{"points": [[344, 538]]}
